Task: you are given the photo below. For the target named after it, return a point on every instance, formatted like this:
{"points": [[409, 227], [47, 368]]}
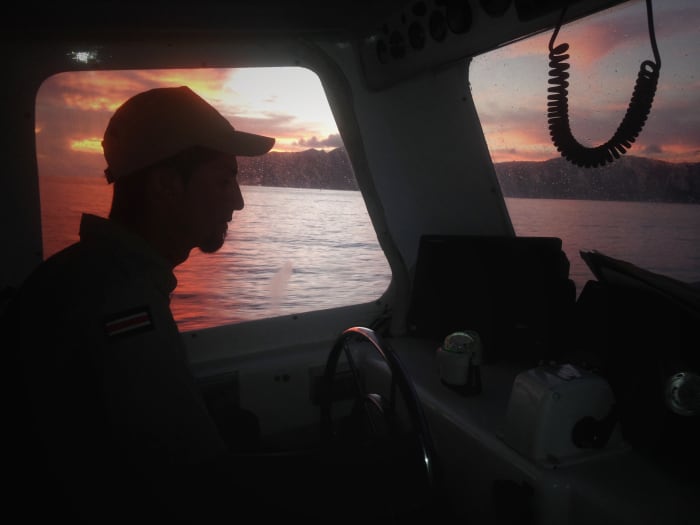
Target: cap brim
{"points": [[250, 144]]}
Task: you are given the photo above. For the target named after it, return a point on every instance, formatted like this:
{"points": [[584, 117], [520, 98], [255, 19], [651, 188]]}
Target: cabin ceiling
{"points": [[350, 18], [395, 39], [81, 17]]}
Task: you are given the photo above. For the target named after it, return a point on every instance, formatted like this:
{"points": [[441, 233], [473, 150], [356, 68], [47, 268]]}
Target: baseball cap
{"points": [[159, 123]]}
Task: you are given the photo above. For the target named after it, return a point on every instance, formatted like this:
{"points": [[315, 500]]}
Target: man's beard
{"points": [[213, 243]]}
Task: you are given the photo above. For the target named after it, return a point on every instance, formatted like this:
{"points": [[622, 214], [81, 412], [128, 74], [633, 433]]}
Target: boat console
{"points": [[520, 433]]}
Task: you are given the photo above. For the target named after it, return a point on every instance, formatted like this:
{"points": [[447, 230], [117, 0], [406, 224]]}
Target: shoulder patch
{"points": [[128, 322]]}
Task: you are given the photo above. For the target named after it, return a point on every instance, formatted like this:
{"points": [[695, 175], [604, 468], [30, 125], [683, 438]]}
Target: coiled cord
{"points": [[632, 123]]}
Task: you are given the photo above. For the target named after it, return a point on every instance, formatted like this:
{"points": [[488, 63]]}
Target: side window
{"points": [[304, 240], [645, 206]]}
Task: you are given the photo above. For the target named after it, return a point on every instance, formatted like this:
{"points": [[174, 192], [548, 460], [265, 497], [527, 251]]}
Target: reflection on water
{"points": [[297, 250], [289, 251]]}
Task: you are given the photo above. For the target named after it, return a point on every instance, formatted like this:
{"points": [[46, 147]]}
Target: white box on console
{"points": [[545, 405]]}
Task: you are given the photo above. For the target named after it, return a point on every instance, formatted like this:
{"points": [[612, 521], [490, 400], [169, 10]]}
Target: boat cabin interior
{"points": [[466, 357]]}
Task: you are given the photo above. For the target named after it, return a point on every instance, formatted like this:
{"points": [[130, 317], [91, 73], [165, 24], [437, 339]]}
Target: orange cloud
{"points": [[92, 145], [519, 144]]}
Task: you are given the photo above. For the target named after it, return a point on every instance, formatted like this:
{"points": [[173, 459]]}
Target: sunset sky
{"points": [[289, 104]]}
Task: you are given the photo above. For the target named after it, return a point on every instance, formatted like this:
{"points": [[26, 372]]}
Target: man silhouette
{"points": [[114, 413]]}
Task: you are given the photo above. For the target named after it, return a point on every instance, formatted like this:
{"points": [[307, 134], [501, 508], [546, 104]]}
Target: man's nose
{"points": [[237, 201]]}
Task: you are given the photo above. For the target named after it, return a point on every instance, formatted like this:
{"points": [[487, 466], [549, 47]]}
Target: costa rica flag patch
{"points": [[128, 322]]}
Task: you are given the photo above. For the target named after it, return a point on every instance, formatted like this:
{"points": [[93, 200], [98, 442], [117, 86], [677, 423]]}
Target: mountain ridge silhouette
{"points": [[629, 178]]}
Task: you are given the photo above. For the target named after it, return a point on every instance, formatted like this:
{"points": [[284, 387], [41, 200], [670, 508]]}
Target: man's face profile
{"points": [[210, 197]]}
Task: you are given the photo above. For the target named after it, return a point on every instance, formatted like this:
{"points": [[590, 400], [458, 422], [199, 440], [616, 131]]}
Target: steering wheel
{"points": [[389, 443]]}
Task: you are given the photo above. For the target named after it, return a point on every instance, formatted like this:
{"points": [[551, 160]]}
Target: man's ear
{"points": [[166, 183]]}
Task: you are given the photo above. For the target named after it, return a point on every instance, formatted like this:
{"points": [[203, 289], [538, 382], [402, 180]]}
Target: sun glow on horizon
{"points": [[299, 112]]}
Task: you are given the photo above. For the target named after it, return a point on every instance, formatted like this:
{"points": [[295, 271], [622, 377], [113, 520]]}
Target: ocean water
{"points": [[295, 250]]}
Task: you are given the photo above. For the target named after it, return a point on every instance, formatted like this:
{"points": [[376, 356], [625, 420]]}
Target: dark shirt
{"points": [[113, 402]]}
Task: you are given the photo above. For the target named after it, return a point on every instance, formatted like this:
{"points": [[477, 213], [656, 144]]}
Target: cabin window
{"points": [[304, 240], [644, 207]]}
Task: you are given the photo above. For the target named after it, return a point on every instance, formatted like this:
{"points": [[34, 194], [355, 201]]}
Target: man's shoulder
{"points": [[80, 289], [74, 264], [80, 275]]}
